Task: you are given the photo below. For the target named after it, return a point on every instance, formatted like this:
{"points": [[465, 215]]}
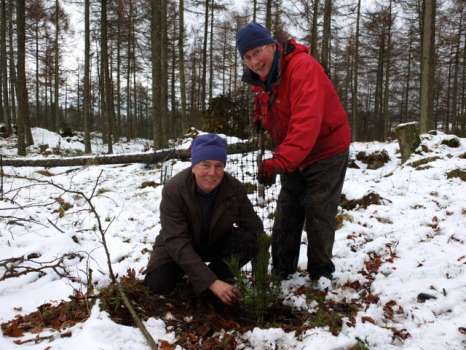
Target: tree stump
{"points": [[408, 138]]}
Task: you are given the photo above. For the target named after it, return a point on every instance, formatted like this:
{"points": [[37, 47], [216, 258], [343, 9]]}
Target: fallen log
{"points": [[147, 158]]}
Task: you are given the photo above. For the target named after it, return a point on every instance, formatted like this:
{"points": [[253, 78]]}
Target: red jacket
{"points": [[306, 120]]}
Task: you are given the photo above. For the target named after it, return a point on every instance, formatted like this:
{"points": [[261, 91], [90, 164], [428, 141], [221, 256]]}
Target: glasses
{"points": [[252, 54]]}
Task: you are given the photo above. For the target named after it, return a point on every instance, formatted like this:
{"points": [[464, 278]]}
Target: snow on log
{"points": [[155, 157]]}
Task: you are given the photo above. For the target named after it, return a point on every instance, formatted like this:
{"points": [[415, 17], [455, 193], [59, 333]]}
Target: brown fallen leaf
{"points": [[13, 330], [367, 319], [164, 345], [401, 334]]}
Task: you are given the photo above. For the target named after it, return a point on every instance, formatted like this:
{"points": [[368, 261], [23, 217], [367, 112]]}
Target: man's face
{"points": [[260, 59], [208, 174]]}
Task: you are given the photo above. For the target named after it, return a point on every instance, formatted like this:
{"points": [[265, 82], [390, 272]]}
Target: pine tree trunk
{"points": [[181, 66], [2, 117], [56, 106], [379, 128], [12, 65], [5, 105], [174, 125], [87, 82], [388, 53], [446, 127], [268, 15], [456, 68], [354, 94], [326, 37], [38, 119], [428, 42], [211, 51], [164, 82], [118, 89], [21, 88], [193, 91], [315, 16], [463, 95], [156, 73], [204, 57], [128, 73], [107, 89], [404, 113]]}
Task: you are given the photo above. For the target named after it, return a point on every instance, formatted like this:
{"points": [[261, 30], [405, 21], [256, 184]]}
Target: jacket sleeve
{"points": [[244, 240], [178, 242], [308, 85]]}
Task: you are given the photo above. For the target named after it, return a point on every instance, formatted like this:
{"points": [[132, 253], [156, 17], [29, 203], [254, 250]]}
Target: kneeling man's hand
{"points": [[227, 293]]}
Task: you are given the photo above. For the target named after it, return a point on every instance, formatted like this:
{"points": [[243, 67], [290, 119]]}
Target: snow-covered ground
{"points": [[417, 231]]}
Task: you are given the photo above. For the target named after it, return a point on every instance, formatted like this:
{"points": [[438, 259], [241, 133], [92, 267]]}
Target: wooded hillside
{"points": [[153, 68]]}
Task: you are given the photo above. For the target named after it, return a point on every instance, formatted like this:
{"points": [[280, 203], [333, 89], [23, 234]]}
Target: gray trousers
{"points": [[308, 198]]}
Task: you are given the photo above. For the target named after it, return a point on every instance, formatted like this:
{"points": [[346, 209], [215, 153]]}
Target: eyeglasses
{"points": [[253, 53]]}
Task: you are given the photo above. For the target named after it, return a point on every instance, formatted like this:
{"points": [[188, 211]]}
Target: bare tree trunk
{"points": [[38, 119], [181, 66], [164, 77], [12, 65], [118, 89], [326, 37], [404, 112], [107, 89], [56, 106], [315, 16], [354, 94], [21, 88], [5, 106], [174, 113], [2, 117], [193, 92], [268, 15], [388, 53], [428, 43], [454, 104], [379, 127], [224, 57], [446, 127], [463, 95], [87, 82], [204, 57], [211, 51], [128, 73], [156, 73]]}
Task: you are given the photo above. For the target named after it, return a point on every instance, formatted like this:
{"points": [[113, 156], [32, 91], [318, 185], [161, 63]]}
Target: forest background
{"points": [[153, 69]]}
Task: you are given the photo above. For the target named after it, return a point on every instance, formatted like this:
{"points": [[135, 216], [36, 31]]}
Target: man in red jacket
{"points": [[297, 104]]}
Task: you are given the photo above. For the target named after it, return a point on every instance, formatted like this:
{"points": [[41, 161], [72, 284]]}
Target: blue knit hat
{"points": [[208, 147], [252, 35]]}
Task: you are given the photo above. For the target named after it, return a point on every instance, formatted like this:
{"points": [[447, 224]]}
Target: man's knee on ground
{"points": [[163, 279]]}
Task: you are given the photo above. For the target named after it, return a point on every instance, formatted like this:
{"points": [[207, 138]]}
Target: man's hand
{"points": [[227, 293], [267, 172]]}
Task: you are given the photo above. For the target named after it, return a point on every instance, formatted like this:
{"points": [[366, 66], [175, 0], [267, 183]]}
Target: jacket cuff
{"points": [[200, 285]]}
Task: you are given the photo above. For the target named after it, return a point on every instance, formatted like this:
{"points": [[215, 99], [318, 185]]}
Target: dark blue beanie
{"points": [[208, 147], [252, 35]]}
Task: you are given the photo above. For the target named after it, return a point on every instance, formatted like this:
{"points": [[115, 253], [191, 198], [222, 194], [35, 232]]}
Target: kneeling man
{"points": [[206, 217]]}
